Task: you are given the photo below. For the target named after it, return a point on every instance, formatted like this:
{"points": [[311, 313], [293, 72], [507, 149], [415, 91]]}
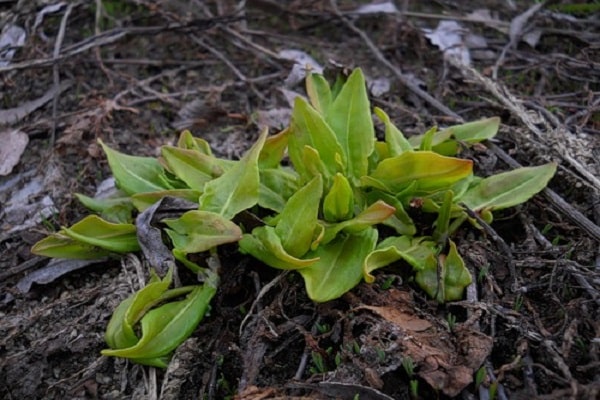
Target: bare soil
{"points": [[135, 73]]}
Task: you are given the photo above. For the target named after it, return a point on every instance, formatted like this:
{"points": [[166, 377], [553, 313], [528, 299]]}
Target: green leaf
{"points": [[90, 238], [427, 171], [188, 141], [427, 142], [350, 119], [374, 214], [197, 231], [476, 131], [319, 93], [313, 165], [438, 138], [455, 277], [120, 332], [166, 327], [339, 202], [276, 187], [273, 150], [419, 253], [237, 189], [115, 209], [191, 166], [308, 128], [440, 233], [394, 138], [339, 265], [93, 230], [298, 220], [134, 174], [400, 221], [58, 245], [265, 245], [141, 201], [508, 188]]}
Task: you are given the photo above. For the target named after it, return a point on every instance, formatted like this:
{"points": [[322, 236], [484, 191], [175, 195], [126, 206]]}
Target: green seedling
{"points": [[322, 213], [318, 362]]}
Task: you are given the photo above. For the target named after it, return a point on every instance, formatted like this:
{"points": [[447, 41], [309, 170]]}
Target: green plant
{"points": [[318, 362], [451, 320], [321, 215]]}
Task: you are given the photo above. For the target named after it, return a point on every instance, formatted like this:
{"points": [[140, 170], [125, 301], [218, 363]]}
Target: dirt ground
{"points": [[136, 73]]}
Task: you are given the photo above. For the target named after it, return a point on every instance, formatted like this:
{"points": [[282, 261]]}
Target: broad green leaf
{"points": [[394, 138], [339, 265], [298, 220], [237, 189], [115, 209], [277, 185], [454, 277], [188, 141], [273, 150], [319, 93], [426, 170], [350, 119], [419, 253], [134, 174], [264, 245], [58, 245], [166, 327], [476, 131], [197, 231], [508, 188], [141, 201], [339, 202], [90, 238], [191, 166], [308, 128], [376, 213]]}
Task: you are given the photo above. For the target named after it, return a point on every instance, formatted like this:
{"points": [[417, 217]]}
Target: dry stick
{"points": [[55, 72], [13, 115], [406, 80], [515, 33], [97, 31], [516, 107]]}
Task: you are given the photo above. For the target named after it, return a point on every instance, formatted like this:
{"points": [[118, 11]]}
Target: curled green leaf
{"points": [[197, 231]]}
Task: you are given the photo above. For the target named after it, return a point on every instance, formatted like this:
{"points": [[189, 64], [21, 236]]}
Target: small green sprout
{"points": [[318, 362]]}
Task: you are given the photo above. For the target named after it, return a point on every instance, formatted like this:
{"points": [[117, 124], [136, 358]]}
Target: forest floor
{"points": [[135, 73]]}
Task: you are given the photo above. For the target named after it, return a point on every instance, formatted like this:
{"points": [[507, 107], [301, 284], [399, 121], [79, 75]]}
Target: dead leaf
{"points": [[56, 268], [402, 319], [302, 63], [14, 142], [277, 118], [12, 36]]}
